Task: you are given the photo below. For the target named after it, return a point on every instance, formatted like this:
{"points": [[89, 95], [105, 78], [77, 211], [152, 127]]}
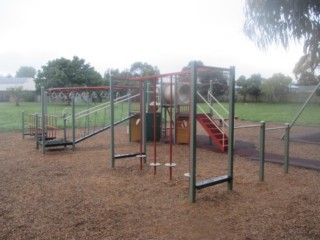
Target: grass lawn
{"points": [[278, 112], [10, 117]]}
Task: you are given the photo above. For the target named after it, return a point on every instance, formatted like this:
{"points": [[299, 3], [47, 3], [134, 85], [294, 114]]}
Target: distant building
{"points": [[7, 83]]}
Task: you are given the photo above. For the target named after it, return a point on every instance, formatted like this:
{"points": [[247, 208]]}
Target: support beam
{"points": [[193, 132], [231, 127]]}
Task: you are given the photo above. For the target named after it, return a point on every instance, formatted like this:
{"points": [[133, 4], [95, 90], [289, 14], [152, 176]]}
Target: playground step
{"points": [[127, 155], [212, 181], [219, 137], [56, 143]]}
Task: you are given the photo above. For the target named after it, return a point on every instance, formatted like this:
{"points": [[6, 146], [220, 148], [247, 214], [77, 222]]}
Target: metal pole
{"points": [[286, 147], [43, 123], [155, 126], [193, 130], [175, 107], [261, 151], [148, 95], [111, 124], [129, 113], [73, 124], [144, 122], [231, 127], [172, 125], [211, 105], [64, 129], [22, 124], [161, 112], [37, 131]]}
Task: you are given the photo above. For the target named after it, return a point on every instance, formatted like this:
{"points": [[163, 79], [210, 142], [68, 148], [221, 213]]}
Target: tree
{"points": [[254, 87], [139, 69], [307, 78], [16, 93], [219, 80], [67, 73], [242, 83], [276, 86], [280, 21], [27, 72]]}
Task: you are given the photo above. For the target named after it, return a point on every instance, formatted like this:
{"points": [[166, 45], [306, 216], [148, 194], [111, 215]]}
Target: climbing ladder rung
{"points": [[126, 155], [212, 181]]}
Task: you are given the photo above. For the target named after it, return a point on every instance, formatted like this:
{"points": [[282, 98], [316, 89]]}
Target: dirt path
{"points": [[76, 195]]}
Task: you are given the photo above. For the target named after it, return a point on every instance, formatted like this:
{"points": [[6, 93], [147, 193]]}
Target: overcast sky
{"points": [[116, 33]]}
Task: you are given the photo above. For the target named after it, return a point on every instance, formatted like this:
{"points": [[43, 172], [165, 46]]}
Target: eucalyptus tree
{"points": [[282, 21], [26, 72]]}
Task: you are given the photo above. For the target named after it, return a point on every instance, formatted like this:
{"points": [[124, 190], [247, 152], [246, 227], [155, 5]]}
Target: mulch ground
{"points": [[67, 194]]}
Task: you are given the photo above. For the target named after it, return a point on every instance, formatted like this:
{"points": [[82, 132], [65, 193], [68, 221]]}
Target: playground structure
{"points": [[169, 101], [162, 107]]}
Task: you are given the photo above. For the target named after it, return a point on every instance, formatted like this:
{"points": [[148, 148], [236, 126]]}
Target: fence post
{"points": [[37, 131], [22, 124], [73, 125], [286, 147], [64, 129], [261, 151], [43, 120]]}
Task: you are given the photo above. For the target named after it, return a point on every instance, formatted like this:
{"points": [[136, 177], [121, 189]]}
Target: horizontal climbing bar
{"points": [[126, 155], [212, 181]]}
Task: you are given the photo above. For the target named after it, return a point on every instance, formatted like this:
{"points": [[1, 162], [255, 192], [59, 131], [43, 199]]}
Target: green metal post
{"points": [[37, 130], [261, 151], [73, 124], [43, 123], [111, 124], [175, 107], [22, 118], [193, 131], [129, 113], [148, 95], [64, 129], [286, 147], [231, 127]]}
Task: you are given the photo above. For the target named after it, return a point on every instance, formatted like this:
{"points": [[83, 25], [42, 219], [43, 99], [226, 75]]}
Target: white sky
{"points": [[116, 33]]}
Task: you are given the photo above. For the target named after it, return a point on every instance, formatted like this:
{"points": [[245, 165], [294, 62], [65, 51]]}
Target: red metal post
{"points": [[141, 89], [171, 127]]}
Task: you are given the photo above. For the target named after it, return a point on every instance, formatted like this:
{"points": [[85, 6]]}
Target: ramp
{"points": [[103, 129]]}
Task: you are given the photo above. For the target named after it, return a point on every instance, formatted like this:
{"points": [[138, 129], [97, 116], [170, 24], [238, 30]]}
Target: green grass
{"points": [[280, 112], [10, 115]]}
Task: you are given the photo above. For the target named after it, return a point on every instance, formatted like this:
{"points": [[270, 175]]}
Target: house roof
{"points": [[25, 83]]}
